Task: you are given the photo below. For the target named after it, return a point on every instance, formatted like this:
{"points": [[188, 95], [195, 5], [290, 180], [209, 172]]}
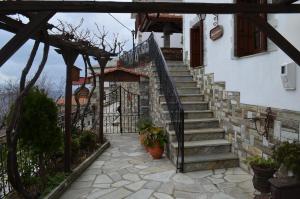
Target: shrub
{"points": [[38, 123], [261, 162], [155, 136], [75, 147], [144, 123], [88, 140], [288, 154]]}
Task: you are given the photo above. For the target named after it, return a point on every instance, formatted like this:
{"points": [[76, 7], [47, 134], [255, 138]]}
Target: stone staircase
{"points": [[205, 146]]}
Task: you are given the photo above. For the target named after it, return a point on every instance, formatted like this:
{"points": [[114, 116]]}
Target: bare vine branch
{"points": [[12, 131]]}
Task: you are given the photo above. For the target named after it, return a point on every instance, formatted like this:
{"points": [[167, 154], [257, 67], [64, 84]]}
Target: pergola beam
{"points": [[14, 26], [276, 37], [284, 1], [11, 7], [35, 25]]}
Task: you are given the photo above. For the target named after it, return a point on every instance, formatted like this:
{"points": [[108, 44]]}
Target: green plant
{"points": [[288, 154], [155, 136], [52, 182], [261, 162], [143, 124], [39, 138], [88, 140], [75, 147], [38, 123]]}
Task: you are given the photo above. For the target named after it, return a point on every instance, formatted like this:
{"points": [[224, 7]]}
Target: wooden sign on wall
{"points": [[216, 33]]}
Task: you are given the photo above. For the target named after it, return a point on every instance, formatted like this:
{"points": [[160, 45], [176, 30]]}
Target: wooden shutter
{"points": [[248, 39], [196, 45]]}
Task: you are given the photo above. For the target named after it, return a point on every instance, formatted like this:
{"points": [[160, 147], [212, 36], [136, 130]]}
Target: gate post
{"points": [[120, 96]]}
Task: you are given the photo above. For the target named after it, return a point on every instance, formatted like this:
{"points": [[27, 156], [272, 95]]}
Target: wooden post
{"points": [[102, 62], [69, 56], [276, 37]]}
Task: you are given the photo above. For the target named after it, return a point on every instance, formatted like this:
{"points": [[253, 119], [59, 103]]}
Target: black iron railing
{"points": [[140, 52], [27, 165], [151, 49], [169, 90]]}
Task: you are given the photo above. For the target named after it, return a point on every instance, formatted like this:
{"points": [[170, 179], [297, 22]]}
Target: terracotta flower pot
{"points": [[156, 151], [261, 178]]}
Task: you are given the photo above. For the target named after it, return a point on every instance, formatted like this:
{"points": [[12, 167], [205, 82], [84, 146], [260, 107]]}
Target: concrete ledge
{"points": [[62, 187]]}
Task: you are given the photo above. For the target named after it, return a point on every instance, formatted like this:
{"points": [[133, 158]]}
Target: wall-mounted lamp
{"points": [[267, 121], [201, 17]]}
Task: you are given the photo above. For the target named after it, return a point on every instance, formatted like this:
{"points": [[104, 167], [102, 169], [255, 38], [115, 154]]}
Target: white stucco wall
{"points": [[257, 78], [175, 42]]}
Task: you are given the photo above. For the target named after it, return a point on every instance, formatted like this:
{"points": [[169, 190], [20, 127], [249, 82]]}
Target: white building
{"points": [[257, 76]]}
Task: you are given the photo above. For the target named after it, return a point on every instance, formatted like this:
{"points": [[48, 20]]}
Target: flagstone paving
{"points": [[125, 170]]}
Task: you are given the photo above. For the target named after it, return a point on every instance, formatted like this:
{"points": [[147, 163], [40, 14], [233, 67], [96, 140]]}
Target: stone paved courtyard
{"points": [[125, 170]]}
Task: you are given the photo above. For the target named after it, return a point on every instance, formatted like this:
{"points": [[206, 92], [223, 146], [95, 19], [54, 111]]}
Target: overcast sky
{"points": [[55, 67]]}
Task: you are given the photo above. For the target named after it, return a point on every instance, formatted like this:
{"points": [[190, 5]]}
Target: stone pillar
{"points": [[167, 42], [144, 97], [167, 30]]}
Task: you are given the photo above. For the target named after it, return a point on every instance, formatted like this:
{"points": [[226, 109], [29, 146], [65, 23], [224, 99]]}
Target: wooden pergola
{"points": [[39, 13], [46, 9]]}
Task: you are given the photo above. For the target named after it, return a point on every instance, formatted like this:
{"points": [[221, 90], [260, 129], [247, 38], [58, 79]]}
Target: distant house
{"points": [[83, 94]]}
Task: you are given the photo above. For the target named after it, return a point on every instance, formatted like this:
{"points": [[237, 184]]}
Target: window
{"points": [[248, 39], [196, 45]]}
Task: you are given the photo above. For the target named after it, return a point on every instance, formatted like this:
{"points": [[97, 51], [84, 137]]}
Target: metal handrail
{"points": [[140, 49], [169, 90]]}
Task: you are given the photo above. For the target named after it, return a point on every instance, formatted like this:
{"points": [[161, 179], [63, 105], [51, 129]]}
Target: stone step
{"points": [[209, 162], [193, 114], [199, 134], [174, 68], [182, 78], [186, 84], [186, 98], [182, 84], [179, 73], [189, 105], [197, 123], [204, 147], [175, 63], [188, 90]]}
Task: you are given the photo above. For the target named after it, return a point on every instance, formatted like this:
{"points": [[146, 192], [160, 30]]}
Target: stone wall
{"points": [[234, 118], [155, 110], [149, 92]]}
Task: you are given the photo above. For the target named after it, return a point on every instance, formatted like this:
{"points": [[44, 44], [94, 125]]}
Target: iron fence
{"points": [[27, 165]]}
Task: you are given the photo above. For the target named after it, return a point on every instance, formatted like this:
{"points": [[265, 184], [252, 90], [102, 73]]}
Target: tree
{"points": [[39, 131], [38, 123]]}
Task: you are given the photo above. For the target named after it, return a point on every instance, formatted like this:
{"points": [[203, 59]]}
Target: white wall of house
{"points": [[256, 77]]}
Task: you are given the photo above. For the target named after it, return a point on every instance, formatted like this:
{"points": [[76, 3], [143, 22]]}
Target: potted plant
{"points": [[155, 141], [143, 125], [288, 157], [264, 169]]}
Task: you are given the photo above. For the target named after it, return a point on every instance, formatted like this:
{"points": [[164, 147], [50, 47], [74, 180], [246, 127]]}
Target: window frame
{"points": [[239, 48]]}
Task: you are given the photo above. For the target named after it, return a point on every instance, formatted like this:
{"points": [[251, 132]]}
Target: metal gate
{"points": [[121, 111]]}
